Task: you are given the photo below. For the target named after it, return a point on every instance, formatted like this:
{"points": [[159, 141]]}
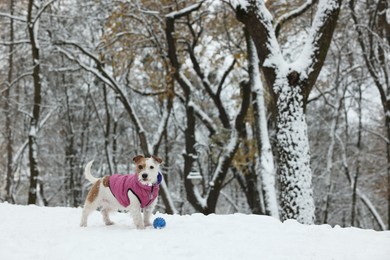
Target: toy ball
{"points": [[159, 223]]}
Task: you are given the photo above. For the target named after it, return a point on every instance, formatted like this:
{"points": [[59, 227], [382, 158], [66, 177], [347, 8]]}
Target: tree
{"points": [[207, 203], [33, 27], [290, 85], [7, 108], [374, 41]]}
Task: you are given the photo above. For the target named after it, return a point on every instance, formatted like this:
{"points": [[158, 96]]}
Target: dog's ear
{"points": [[157, 159], [137, 158]]}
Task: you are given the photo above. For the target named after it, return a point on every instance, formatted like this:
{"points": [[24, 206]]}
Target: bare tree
{"points": [[374, 41], [235, 130], [7, 108], [33, 29]]}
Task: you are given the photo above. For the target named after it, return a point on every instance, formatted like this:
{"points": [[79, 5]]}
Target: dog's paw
{"points": [[140, 226], [82, 224], [148, 224], [109, 223]]}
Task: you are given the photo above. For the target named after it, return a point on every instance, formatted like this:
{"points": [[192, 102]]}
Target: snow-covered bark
{"points": [[290, 85], [294, 156]]}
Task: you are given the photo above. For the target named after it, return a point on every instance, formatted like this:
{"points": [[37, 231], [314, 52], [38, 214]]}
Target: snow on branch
{"points": [[293, 14], [16, 18], [234, 140], [259, 22], [21, 149], [15, 42], [372, 209], [185, 11], [317, 44], [203, 116], [228, 153], [40, 12], [147, 93], [85, 67]]}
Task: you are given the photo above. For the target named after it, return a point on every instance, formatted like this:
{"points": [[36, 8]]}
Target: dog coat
{"points": [[120, 185]]}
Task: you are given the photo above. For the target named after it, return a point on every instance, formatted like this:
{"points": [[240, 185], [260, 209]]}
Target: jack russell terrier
{"points": [[133, 192]]}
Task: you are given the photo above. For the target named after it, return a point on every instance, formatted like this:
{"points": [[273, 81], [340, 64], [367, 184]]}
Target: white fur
{"points": [[106, 200]]}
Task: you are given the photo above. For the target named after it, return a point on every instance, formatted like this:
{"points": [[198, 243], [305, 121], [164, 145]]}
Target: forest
{"points": [[277, 108]]}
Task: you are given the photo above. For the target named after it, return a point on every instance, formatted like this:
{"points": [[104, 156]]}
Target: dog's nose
{"points": [[144, 176]]}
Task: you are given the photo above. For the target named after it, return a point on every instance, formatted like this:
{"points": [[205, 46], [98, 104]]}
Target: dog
{"points": [[132, 192]]}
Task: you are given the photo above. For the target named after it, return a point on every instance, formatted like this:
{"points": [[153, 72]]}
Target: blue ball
{"points": [[159, 223]]}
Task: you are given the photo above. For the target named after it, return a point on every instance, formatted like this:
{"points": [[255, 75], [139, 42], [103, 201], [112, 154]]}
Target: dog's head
{"points": [[147, 169]]}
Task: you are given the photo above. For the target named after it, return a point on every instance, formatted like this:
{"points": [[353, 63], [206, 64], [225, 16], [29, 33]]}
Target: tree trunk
{"points": [[37, 83], [190, 158], [358, 162], [387, 123], [7, 109], [267, 169], [70, 153], [294, 156], [107, 132]]}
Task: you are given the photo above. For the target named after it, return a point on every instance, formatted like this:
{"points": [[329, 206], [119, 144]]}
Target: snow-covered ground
{"points": [[31, 232]]}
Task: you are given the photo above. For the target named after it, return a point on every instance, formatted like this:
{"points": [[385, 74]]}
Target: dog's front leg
{"points": [[137, 217], [148, 213]]}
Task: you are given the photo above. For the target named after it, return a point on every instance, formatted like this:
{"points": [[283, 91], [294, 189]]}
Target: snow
{"points": [[388, 15], [243, 3], [36, 34], [32, 232], [183, 11]]}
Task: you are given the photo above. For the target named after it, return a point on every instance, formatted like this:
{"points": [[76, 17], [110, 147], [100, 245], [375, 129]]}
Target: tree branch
{"points": [[293, 14], [317, 44], [103, 75]]}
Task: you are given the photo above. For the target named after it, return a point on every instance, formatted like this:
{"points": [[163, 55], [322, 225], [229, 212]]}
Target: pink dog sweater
{"points": [[121, 184]]}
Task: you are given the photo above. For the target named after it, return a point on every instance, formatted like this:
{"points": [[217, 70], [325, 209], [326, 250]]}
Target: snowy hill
{"points": [[31, 232]]}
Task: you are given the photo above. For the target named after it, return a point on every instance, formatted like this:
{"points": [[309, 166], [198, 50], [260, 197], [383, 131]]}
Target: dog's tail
{"points": [[87, 173]]}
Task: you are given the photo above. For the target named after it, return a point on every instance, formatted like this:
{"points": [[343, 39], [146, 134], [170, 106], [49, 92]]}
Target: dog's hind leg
{"points": [[88, 208], [91, 203], [106, 218]]}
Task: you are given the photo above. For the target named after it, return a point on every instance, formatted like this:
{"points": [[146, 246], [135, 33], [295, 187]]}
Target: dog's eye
{"points": [[151, 167], [140, 167]]}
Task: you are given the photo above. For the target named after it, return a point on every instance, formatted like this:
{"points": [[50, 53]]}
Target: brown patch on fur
{"points": [[157, 159], [137, 158], [93, 193], [106, 181], [140, 165]]}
